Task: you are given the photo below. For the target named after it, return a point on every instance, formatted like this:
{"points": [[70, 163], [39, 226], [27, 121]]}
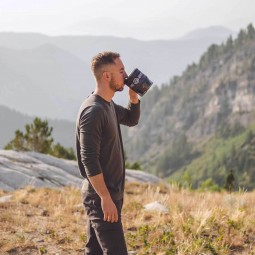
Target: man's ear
{"points": [[107, 76]]}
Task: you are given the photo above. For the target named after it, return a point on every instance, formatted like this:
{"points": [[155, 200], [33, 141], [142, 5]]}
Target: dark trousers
{"points": [[103, 238]]}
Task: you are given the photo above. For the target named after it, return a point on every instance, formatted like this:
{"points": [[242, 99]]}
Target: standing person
{"points": [[100, 155]]}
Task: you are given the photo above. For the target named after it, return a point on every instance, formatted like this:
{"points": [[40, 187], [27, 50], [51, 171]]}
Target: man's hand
{"points": [[133, 97], [109, 209]]}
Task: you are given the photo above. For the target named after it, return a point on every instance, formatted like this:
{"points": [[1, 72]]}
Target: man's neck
{"points": [[104, 93]]}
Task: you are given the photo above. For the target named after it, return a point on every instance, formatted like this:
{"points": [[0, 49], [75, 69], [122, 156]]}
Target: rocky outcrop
{"points": [[19, 169]]}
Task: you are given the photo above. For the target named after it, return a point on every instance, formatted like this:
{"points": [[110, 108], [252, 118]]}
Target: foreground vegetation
{"points": [[52, 221]]}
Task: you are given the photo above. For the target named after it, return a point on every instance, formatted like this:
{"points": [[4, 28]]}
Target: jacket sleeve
{"points": [[91, 123], [128, 116]]}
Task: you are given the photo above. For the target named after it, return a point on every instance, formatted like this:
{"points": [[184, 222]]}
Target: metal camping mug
{"points": [[138, 82]]}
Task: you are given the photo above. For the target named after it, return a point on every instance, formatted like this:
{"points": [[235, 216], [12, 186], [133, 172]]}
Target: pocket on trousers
{"points": [[93, 207]]}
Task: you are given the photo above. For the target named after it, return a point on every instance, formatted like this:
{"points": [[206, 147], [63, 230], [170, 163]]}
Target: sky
{"points": [[140, 19]]}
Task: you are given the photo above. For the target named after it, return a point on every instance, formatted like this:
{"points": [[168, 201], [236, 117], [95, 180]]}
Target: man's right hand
{"points": [[109, 209]]}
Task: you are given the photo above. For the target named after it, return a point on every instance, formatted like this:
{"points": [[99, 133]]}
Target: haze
{"points": [[140, 19]]}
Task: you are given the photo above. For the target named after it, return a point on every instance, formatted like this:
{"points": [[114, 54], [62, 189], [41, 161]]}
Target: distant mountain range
{"points": [[50, 76]]}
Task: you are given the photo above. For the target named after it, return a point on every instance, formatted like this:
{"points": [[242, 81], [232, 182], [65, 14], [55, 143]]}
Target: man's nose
{"points": [[125, 75]]}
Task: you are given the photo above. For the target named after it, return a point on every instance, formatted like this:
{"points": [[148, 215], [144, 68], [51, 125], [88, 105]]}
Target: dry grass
{"points": [[52, 221]]}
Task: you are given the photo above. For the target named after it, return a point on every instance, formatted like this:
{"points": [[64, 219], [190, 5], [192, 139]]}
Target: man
{"points": [[101, 157]]}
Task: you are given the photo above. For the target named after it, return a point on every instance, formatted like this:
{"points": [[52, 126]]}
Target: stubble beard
{"points": [[114, 86]]}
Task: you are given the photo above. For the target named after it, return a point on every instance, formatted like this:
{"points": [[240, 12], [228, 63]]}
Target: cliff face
{"points": [[229, 90], [217, 92]]}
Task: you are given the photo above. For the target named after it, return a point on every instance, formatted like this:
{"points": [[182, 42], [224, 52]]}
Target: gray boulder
{"points": [[20, 169]]}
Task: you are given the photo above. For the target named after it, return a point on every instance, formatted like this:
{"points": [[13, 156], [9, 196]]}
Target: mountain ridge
{"points": [[44, 73], [211, 95]]}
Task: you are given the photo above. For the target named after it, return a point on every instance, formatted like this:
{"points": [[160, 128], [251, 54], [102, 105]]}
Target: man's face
{"points": [[117, 76]]}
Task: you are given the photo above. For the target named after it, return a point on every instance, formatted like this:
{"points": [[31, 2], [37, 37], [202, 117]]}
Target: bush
{"points": [[209, 185]]}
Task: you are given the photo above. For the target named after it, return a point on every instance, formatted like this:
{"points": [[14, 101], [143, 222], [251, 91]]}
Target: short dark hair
{"points": [[102, 59]]}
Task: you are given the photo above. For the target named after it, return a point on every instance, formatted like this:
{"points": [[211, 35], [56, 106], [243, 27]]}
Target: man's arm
{"points": [[129, 116], [91, 126], [133, 97], [108, 207]]}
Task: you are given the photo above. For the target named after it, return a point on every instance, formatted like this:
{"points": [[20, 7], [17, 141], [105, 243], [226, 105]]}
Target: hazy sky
{"points": [[142, 19]]}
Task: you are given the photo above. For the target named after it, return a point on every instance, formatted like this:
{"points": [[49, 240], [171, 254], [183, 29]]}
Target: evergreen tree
{"points": [[251, 31], [229, 44], [38, 138], [61, 152], [18, 143], [240, 38], [249, 137]]}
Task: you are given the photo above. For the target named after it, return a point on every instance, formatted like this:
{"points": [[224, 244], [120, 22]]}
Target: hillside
{"points": [[232, 148], [217, 92], [45, 81]]}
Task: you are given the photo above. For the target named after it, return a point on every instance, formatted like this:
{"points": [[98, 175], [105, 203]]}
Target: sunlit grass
{"points": [[52, 221]]}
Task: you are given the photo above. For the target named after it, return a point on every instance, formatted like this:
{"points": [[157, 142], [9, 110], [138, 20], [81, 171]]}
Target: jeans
{"points": [[103, 237]]}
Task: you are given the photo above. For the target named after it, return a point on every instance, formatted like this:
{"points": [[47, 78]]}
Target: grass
{"points": [[52, 221]]}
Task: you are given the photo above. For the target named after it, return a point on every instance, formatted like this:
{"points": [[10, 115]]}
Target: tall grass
{"points": [[52, 221]]}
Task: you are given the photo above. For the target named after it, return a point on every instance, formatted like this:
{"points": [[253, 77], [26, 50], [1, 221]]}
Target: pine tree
{"points": [[241, 38], [229, 44], [18, 143], [38, 138], [251, 31]]}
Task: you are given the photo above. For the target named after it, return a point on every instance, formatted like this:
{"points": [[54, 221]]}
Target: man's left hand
{"points": [[133, 97]]}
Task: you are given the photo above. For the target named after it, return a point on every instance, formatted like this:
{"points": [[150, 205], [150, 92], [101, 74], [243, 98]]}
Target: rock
{"points": [[20, 169], [5, 199], [141, 176], [156, 206]]}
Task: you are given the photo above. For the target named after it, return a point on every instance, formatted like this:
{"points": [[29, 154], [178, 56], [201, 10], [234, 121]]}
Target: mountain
{"points": [[49, 76], [209, 32], [216, 96], [172, 55], [11, 120], [45, 80]]}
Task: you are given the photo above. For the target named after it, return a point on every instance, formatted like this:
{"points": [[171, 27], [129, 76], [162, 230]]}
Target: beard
{"points": [[114, 86]]}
